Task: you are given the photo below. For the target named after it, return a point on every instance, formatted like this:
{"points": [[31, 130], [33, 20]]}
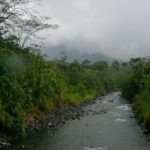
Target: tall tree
{"points": [[86, 63], [25, 29], [17, 20], [10, 9], [115, 65], [101, 65]]}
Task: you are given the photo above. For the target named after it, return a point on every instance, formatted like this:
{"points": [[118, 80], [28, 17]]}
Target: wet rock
{"points": [[50, 124], [148, 137], [4, 144], [111, 101], [63, 122], [132, 116], [93, 102], [66, 118], [22, 146], [86, 113], [73, 118], [145, 131]]}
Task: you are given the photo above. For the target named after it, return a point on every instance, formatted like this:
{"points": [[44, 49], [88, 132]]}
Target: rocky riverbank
{"points": [[51, 120], [105, 123]]}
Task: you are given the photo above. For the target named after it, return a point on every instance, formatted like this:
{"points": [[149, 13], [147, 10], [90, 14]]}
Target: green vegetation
{"points": [[135, 86], [30, 84]]}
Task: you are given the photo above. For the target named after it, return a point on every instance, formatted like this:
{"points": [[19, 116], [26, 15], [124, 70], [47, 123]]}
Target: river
{"points": [[107, 124]]}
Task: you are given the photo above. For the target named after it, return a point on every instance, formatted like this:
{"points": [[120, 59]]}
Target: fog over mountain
{"points": [[53, 52], [115, 28]]}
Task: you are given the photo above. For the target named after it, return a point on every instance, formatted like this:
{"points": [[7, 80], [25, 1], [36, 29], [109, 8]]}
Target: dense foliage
{"points": [[30, 84], [135, 86]]}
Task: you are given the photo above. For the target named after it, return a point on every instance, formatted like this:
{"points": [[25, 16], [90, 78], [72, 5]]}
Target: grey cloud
{"points": [[117, 28]]}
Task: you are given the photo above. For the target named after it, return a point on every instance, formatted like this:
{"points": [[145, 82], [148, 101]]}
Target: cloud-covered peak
{"points": [[117, 28]]}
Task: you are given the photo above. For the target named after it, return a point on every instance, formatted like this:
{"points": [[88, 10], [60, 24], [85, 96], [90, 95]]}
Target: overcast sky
{"points": [[117, 28]]}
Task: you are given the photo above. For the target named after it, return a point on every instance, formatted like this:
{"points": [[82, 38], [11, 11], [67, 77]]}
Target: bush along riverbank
{"points": [[32, 86], [135, 86]]}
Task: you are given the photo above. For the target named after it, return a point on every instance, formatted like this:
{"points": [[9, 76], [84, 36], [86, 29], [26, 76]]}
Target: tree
{"points": [[63, 56], [19, 21], [135, 61], [124, 64], [25, 29], [101, 65], [86, 63], [10, 9], [115, 65], [75, 72]]}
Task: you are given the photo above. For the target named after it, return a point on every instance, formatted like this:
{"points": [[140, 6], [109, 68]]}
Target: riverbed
{"points": [[107, 123]]}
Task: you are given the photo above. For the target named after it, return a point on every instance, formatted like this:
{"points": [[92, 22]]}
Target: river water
{"points": [[106, 125]]}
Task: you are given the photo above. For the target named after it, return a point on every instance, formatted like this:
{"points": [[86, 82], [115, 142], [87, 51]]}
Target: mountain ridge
{"points": [[53, 53]]}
